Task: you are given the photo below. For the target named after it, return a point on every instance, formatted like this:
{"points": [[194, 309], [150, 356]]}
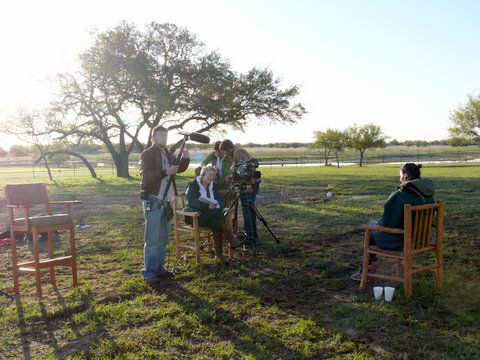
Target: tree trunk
{"points": [[338, 163], [361, 158], [42, 154], [121, 164], [48, 169], [326, 155], [72, 153]]}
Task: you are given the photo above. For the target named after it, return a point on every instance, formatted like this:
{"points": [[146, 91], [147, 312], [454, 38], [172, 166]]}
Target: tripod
{"points": [[242, 195]]}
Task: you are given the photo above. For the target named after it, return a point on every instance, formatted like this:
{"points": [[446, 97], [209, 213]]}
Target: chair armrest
{"points": [[383, 229], [66, 202], [188, 213], [19, 206]]}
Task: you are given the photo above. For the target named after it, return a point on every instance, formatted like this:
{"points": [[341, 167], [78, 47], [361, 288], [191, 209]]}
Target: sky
{"points": [[403, 65]]}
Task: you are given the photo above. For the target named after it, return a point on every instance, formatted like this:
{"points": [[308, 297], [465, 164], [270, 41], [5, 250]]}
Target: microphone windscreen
{"points": [[204, 139]]}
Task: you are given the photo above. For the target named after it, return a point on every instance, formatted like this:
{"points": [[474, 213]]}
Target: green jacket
{"points": [[227, 162], [414, 192], [211, 159], [193, 193]]}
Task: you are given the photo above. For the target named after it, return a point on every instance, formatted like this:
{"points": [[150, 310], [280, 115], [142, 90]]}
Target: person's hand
{"points": [[185, 154], [249, 189], [172, 170], [212, 206]]}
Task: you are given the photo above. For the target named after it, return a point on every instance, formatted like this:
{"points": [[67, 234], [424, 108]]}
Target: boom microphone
{"points": [[197, 137]]}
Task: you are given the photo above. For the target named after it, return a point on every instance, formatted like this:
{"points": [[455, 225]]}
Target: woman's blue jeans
{"points": [[155, 238]]}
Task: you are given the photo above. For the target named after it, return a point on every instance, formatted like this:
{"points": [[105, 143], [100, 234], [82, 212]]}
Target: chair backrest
{"points": [[179, 200], [26, 194], [419, 221]]}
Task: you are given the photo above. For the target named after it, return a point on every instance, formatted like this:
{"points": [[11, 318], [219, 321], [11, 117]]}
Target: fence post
{"points": [[74, 169], [33, 169], [113, 168]]}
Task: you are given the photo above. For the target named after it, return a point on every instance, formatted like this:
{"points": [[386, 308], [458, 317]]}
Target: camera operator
{"points": [[202, 196], [233, 155], [157, 165]]}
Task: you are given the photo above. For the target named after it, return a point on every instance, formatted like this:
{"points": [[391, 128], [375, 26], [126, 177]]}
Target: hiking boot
{"points": [[217, 245], [233, 241]]}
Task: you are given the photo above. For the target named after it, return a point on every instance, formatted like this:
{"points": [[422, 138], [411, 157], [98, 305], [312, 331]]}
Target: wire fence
{"points": [[26, 169]]}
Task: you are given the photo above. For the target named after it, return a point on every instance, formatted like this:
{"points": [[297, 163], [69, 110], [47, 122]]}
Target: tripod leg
{"points": [[262, 219]]}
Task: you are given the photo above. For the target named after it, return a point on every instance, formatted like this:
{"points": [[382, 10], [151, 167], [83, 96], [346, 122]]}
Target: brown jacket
{"points": [[152, 172]]}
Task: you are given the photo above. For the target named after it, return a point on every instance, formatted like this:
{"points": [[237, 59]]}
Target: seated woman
{"points": [[413, 190], [201, 195]]}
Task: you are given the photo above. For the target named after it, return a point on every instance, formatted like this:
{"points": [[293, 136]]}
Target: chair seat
{"points": [[46, 220]]}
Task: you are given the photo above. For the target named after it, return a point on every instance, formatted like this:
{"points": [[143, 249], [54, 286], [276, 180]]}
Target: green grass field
{"points": [[290, 301]]}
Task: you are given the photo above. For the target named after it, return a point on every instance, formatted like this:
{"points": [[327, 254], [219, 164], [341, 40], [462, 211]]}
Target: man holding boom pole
{"points": [[157, 165]]}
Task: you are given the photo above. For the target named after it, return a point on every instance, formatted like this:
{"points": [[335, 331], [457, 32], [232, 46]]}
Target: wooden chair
{"points": [[186, 231], [26, 197], [419, 221]]}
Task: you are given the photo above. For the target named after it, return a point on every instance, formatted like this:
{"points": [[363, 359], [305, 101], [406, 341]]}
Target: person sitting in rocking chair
{"points": [[202, 196]]}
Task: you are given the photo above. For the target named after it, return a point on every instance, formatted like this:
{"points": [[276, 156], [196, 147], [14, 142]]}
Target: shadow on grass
{"points": [[23, 330], [81, 343], [264, 346], [318, 288]]}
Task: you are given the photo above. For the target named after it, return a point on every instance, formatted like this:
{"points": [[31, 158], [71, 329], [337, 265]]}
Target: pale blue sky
{"points": [[404, 65]]}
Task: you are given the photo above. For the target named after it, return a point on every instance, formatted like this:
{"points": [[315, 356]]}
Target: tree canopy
{"points": [[466, 121], [365, 137], [130, 79], [330, 140]]}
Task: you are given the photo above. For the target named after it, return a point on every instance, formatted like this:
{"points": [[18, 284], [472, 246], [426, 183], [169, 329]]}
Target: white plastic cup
{"points": [[378, 292], [389, 293]]}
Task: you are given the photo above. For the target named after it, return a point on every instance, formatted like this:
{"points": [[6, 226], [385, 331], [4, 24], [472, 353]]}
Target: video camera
{"points": [[244, 171]]}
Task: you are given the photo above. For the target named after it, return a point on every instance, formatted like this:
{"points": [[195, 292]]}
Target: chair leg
{"points": [[13, 238], [50, 255], [439, 268], [197, 245], [36, 255], [177, 243], [73, 252], [407, 278], [366, 259]]}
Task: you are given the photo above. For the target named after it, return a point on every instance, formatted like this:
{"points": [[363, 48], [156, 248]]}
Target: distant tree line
{"points": [[96, 149]]}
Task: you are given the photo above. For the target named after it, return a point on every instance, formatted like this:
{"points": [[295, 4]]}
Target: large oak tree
{"points": [[132, 79]]}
